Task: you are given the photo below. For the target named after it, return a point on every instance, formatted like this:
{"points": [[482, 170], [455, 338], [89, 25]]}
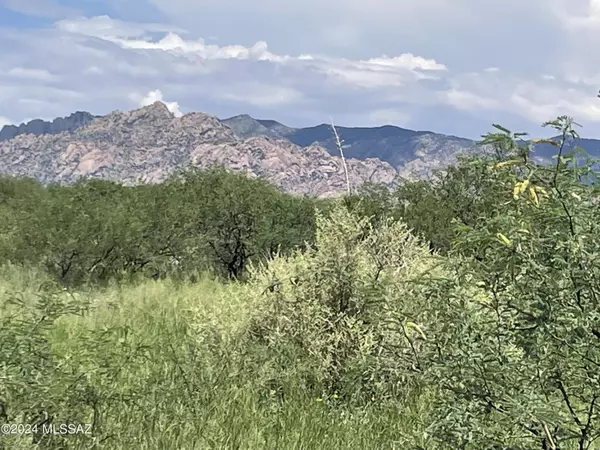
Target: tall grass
{"points": [[163, 365]]}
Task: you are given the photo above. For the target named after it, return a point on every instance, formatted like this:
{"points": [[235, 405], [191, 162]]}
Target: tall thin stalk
{"points": [[338, 144]]}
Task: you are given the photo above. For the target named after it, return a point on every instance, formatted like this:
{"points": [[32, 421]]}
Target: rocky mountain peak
{"points": [[148, 144], [156, 111], [152, 114]]}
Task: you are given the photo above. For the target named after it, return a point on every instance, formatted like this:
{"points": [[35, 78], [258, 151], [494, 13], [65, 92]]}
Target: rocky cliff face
{"points": [[37, 126], [148, 144]]}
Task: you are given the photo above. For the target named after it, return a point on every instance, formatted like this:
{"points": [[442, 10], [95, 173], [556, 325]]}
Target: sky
{"points": [[453, 67]]}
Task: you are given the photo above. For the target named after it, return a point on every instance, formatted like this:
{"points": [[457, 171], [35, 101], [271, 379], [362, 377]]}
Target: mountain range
{"points": [[38, 126], [150, 143]]}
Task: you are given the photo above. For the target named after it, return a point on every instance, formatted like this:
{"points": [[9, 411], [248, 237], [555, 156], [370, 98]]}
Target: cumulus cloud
{"points": [[157, 96], [100, 64], [471, 32]]}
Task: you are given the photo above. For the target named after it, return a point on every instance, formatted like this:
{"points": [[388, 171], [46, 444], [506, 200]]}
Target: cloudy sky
{"points": [[448, 66]]}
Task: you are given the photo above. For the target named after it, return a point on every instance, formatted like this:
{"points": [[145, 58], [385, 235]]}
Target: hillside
{"points": [[411, 153], [407, 151], [148, 144]]}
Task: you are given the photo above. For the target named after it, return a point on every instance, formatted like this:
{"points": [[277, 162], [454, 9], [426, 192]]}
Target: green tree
{"points": [[516, 346]]}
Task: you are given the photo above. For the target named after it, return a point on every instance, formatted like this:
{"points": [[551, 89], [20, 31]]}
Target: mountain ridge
{"points": [[149, 144], [39, 126]]}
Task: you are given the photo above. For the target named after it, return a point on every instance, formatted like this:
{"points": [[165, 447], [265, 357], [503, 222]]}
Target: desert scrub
{"points": [[162, 365], [346, 316]]}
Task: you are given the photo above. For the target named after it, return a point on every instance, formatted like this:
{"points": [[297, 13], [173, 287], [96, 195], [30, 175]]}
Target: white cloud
{"points": [[469, 101], [127, 36], [134, 36], [157, 96], [97, 63], [540, 103], [536, 101], [4, 121], [407, 61], [355, 29], [174, 43]]}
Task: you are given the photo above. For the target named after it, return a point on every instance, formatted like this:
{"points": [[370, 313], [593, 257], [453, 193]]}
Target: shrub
{"points": [[517, 346], [344, 316]]}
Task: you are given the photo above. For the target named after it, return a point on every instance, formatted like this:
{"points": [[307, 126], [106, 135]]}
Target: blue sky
{"points": [[451, 67]]}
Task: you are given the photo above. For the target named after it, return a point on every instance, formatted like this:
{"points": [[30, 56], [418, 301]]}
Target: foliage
{"points": [[458, 312], [347, 312], [519, 355], [96, 231], [160, 366]]}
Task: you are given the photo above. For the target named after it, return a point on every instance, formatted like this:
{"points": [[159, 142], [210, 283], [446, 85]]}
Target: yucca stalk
{"points": [[338, 144]]}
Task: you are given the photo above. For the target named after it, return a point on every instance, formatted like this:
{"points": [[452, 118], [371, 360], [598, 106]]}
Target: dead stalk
{"points": [[338, 143]]}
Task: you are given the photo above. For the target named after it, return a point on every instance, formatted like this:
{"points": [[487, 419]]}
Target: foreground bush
{"points": [[345, 314], [517, 341]]}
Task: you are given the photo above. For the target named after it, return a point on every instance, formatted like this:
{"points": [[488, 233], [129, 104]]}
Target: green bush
{"points": [[96, 231], [347, 312], [517, 347]]}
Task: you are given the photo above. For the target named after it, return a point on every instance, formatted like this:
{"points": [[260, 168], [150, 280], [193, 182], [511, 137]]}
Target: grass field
{"points": [[163, 365]]}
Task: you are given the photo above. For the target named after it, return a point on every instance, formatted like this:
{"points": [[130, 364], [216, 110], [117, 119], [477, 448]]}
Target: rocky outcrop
{"points": [[148, 144]]}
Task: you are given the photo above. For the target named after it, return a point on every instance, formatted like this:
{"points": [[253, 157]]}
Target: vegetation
{"points": [[460, 312], [198, 221]]}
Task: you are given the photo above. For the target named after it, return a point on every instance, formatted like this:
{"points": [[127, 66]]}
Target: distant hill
{"points": [[246, 127], [411, 153], [38, 126], [146, 145]]}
